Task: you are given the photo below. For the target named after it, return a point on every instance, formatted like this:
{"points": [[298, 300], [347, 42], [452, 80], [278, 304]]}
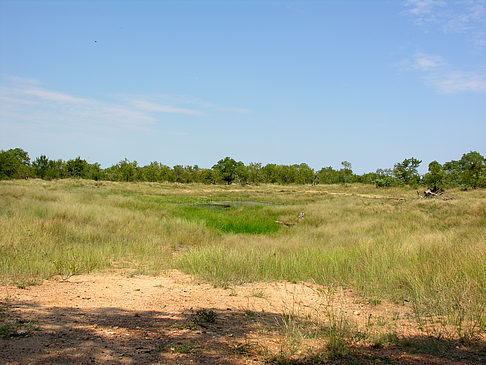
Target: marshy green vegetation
{"points": [[386, 244]]}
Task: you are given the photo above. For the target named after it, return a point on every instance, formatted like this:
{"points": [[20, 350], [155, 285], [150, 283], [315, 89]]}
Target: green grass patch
{"points": [[248, 220]]}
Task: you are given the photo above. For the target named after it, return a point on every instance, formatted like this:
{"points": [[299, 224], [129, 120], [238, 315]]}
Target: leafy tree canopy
{"points": [[435, 177], [14, 164], [227, 169], [406, 171], [473, 166]]}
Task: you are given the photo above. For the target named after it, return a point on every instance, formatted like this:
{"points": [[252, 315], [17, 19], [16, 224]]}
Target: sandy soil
{"points": [[115, 319]]}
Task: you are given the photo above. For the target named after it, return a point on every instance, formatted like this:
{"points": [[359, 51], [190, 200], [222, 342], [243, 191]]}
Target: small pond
{"points": [[228, 204]]}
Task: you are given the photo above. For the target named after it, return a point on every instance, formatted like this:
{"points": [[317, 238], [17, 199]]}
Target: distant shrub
{"points": [[385, 181]]}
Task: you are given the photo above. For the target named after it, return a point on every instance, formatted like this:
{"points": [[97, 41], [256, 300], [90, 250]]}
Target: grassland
{"points": [[430, 254]]}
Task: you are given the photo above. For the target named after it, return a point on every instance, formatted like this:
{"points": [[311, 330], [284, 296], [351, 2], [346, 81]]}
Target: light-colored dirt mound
{"points": [[115, 319]]}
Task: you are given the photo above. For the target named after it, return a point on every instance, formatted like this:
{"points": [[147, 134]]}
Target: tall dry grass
{"points": [[430, 253]]}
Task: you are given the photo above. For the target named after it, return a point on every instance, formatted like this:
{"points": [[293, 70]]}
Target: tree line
{"points": [[468, 172]]}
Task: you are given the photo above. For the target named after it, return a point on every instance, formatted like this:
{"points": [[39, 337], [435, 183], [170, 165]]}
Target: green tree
{"points": [[305, 175], [287, 174], [473, 167], [242, 173], [347, 171], [14, 164], [270, 173], [327, 175], [94, 172], [255, 173], [182, 174], [41, 165], [384, 178], [48, 169], [77, 167], [21, 155], [166, 173], [127, 170], [193, 172], [208, 176], [8, 165], [55, 169], [435, 177], [406, 172], [151, 172], [226, 168], [452, 172]]}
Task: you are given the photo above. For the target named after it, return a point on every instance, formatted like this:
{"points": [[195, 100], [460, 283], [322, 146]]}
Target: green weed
{"points": [[204, 317]]}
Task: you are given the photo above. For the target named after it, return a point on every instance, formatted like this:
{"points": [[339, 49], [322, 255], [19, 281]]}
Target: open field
{"points": [[423, 259]]}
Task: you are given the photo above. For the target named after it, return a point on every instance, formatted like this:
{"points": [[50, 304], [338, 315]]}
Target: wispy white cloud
{"points": [[48, 95], [466, 16], [457, 81], [162, 108], [161, 101], [424, 11], [211, 106], [23, 101], [437, 73], [20, 80], [27, 102], [425, 62]]}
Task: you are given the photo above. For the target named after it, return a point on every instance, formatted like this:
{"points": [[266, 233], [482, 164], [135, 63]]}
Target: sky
{"points": [[191, 82]]}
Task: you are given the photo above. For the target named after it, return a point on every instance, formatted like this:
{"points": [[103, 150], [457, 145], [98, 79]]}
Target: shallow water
{"points": [[228, 204]]}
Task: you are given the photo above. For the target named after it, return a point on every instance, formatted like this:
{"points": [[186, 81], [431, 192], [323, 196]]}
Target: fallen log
{"points": [[429, 193], [437, 195]]}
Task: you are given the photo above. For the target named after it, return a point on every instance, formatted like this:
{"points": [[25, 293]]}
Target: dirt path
{"points": [[115, 319]]}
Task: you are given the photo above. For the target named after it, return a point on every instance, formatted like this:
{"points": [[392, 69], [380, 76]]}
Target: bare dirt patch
{"points": [[115, 319]]}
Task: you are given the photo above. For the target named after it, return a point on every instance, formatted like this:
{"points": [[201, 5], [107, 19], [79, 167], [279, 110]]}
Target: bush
{"points": [[385, 181]]}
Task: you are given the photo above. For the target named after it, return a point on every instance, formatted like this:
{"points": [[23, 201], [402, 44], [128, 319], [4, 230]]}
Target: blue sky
{"points": [[190, 82]]}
